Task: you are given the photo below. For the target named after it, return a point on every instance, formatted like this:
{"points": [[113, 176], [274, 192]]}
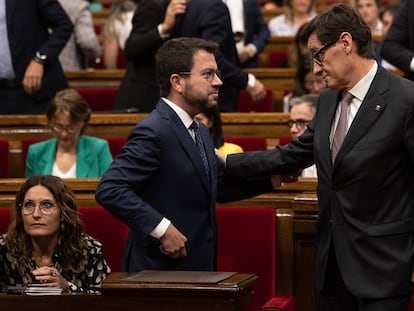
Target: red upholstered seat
{"points": [[99, 99], [248, 143], [247, 105], [5, 219], [247, 244], [284, 140], [277, 58], [107, 229], [115, 144], [4, 159], [25, 149], [285, 303]]}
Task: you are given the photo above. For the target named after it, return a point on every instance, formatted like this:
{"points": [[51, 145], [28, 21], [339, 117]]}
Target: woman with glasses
{"points": [[45, 243], [70, 154]]}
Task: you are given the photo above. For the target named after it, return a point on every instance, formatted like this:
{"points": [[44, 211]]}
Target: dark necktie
{"points": [[200, 146], [341, 127]]}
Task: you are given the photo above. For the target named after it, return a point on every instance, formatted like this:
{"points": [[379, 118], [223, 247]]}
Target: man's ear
{"points": [[177, 83]]}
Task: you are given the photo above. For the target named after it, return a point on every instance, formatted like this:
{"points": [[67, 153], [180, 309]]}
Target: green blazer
{"points": [[93, 158]]}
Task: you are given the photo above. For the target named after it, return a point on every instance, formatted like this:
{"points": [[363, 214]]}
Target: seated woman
{"points": [[45, 243], [211, 118], [70, 154]]}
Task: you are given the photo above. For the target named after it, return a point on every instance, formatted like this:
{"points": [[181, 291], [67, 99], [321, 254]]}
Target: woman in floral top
{"points": [[45, 242]]}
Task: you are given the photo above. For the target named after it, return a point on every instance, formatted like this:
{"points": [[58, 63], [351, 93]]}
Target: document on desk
{"points": [[163, 276]]}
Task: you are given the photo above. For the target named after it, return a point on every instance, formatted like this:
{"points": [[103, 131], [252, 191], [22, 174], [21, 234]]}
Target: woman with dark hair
{"points": [[70, 154], [45, 243]]}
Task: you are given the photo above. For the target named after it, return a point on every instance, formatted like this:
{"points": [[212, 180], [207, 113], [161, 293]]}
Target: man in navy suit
{"points": [[32, 34], [365, 227], [158, 184], [398, 45]]}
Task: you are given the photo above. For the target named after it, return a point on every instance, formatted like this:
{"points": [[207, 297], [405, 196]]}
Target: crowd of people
{"points": [[351, 121]]}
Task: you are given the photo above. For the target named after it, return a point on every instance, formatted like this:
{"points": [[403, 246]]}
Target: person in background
{"points": [[386, 16], [45, 243], [83, 49], [271, 4], [32, 34], [70, 154], [95, 5], [250, 30], [369, 10], [296, 13], [165, 183], [398, 45], [210, 117], [362, 141], [302, 111], [117, 28]]}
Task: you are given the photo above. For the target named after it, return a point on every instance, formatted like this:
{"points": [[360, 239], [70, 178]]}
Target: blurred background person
{"points": [[398, 45], [271, 4], [369, 11], [70, 154], [83, 49], [302, 111], [212, 120], [32, 34], [250, 30], [296, 13], [386, 16], [117, 28], [45, 242]]}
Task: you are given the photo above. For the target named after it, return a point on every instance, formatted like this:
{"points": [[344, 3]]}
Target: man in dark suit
{"points": [[32, 34], [159, 184], [365, 228], [398, 45], [158, 20]]}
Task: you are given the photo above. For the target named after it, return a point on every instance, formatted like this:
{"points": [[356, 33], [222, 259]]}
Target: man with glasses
{"points": [[362, 141], [164, 183]]}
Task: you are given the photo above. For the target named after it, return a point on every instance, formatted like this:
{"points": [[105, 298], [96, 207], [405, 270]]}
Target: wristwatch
{"points": [[40, 58]]}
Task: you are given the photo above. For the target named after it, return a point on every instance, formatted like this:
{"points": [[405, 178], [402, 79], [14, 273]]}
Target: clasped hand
{"points": [[51, 277]]}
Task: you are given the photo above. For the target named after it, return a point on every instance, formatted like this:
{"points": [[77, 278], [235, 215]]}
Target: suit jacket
{"points": [[256, 29], [366, 199], [140, 48], [28, 23], [398, 45], [210, 19], [159, 173], [83, 47], [92, 160]]}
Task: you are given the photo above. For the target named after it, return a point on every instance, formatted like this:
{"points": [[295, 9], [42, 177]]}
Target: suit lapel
{"points": [[371, 108]]}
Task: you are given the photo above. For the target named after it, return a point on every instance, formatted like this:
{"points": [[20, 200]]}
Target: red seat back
{"points": [[277, 58], [107, 229], [99, 99], [247, 244], [5, 219], [115, 144], [25, 149], [284, 140], [247, 105], [248, 143], [4, 159]]}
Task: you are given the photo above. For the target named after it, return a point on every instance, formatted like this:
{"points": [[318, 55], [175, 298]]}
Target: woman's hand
{"points": [[51, 277]]}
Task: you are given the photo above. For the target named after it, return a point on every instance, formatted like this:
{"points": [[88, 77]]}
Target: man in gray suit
{"points": [[365, 228]]}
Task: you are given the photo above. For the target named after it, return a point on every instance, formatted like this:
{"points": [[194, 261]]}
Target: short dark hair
{"points": [[328, 26], [175, 56]]}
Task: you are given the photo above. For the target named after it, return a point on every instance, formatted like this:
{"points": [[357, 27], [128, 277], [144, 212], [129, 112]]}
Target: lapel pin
{"points": [[377, 108]]}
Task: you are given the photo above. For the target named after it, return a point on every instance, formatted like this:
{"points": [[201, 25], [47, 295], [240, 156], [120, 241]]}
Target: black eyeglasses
{"points": [[60, 128], [208, 74], [316, 56], [300, 123]]}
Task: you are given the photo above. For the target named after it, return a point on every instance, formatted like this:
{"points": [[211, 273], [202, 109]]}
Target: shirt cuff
{"points": [[162, 35], [160, 229], [251, 80]]}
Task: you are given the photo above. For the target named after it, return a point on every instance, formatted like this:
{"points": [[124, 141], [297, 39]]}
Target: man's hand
{"points": [[257, 92], [174, 8], [173, 243], [221, 157], [246, 52], [32, 80]]}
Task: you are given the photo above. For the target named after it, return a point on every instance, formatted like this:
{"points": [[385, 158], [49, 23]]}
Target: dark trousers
{"points": [[14, 100], [336, 297]]}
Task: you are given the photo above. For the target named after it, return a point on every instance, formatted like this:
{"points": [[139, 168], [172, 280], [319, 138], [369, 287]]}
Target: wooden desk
{"points": [[234, 293]]}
